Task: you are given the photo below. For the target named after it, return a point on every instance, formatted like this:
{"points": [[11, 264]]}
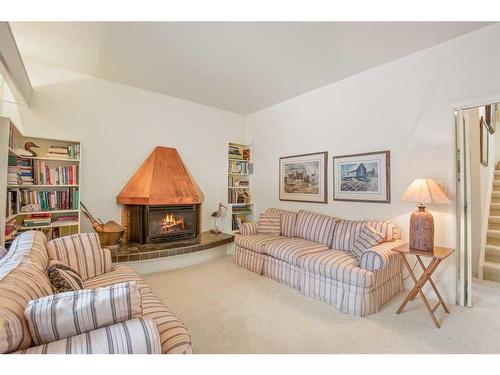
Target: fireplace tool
{"points": [[110, 234]]}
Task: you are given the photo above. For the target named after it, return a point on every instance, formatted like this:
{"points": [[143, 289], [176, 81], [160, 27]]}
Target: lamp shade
{"points": [[424, 190]]}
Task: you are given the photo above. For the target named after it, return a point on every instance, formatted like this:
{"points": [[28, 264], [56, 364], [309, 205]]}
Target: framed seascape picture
{"points": [[303, 178], [362, 177]]}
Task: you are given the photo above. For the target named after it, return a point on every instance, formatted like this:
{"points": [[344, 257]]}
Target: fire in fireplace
{"points": [[163, 223]]}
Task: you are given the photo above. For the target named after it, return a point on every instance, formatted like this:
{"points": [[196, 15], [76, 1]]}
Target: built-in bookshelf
{"points": [[239, 189], [39, 192]]}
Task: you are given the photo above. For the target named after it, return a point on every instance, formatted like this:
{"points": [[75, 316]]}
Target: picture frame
{"points": [[484, 140], [303, 178], [362, 177]]}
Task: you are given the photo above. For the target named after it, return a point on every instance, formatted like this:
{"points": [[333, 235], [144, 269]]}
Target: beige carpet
{"points": [[230, 310]]}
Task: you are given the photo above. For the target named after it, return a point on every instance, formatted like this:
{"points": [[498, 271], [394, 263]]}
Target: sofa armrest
{"points": [[134, 336], [380, 256], [106, 256], [250, 228]]}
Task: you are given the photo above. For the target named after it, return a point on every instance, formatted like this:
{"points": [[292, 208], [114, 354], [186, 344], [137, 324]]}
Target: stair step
{"points": [[496, 183], [494, 219], [497, 173], [491, 271], [493, 233], [492, 253], [492, 249], [495, 194], [495, 206], [492, 266]]}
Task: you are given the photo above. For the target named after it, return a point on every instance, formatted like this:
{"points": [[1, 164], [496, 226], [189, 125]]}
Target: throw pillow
{"points": [[63, 278], [366, 239], [3, 252], [269, 224], [62, 315], [82, 252]]}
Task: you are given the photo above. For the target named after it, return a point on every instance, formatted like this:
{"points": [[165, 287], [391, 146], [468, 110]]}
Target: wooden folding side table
{"points": [[437, 255]]}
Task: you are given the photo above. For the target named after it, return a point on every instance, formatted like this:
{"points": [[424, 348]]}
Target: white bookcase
{"points": [[63, 221], [239, 188]]}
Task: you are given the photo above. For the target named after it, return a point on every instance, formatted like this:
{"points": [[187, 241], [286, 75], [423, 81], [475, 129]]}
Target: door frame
{"points": [[462, 180]]}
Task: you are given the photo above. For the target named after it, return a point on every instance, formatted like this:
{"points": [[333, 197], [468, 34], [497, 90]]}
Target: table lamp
{"points": [[421, 191]]}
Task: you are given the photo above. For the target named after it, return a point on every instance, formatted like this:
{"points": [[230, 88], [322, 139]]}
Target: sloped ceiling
{"points": [[237, 66]]}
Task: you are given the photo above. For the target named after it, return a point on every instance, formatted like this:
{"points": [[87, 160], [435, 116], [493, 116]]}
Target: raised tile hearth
{"points": [[131, 252]]}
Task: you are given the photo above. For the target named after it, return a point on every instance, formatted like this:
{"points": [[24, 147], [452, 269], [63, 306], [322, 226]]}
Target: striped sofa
{"points": [[23, 277], [312, 254]]}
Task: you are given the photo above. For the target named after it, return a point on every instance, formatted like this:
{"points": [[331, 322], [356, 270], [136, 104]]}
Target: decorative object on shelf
{"points": [[28, 147], [110, 234], [362, 177], [246, 154], [303, 178], [30, 208], [216, 215], [243, 197], [423, 191], [484, 137]]}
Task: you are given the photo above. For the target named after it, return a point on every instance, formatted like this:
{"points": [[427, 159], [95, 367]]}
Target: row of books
{"points": [[234, 152], [243, 209], [238, 196], [45, 175], [66, 199], [237, 221], [70, 152], [39, 220], [19, 171], [240, 167]]}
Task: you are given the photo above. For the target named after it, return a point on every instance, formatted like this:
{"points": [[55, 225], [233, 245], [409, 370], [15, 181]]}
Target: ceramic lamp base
{"points": [[421, 230]]}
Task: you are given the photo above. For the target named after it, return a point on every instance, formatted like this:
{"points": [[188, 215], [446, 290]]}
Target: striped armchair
{"points": [[23, 278], [314, 254]]}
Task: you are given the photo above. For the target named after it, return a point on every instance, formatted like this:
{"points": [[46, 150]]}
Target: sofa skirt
{"points": [[282, 272], [350, 299], [248, 259]]}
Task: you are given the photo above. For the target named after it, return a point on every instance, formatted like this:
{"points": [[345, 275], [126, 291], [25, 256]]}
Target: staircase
{"points": [[491, 264]]}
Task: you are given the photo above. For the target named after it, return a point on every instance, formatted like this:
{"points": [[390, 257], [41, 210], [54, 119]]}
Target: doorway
{"points": [[478, 197]]}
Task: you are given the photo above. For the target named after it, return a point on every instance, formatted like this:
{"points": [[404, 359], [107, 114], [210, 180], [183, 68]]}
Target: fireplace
{"points": [[163, 223], [161, 202]]}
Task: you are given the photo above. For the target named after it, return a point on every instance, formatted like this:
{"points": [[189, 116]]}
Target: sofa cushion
{"points": [[337, 265], [82, 252], [62, 315], [366, 239], [315, 227], [255, 242], [174, 336], [346, 232], [288, 220], [21, 280], [270, 224], [291, 249], [134, 336], [63, 278]]}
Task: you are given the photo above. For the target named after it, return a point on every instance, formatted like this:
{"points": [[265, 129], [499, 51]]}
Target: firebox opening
{"points": [[163, 223]]}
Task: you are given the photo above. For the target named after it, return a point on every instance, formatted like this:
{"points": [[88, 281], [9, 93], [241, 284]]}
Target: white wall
{"points": [[119, 126], [403, 106]]}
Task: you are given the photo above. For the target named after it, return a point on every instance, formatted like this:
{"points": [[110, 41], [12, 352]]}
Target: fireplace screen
{"points": [[162, 223], [173, 222]]}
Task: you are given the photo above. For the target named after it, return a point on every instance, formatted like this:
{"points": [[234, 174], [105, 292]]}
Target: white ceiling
{"points": [[237, 66]]}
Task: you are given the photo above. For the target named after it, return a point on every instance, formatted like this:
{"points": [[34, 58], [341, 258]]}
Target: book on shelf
{"points": [[60, 175], [13, 202], [11, 229], [66, 199], [238, 196], [234, 152], [68, 152], [238, 166]]}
